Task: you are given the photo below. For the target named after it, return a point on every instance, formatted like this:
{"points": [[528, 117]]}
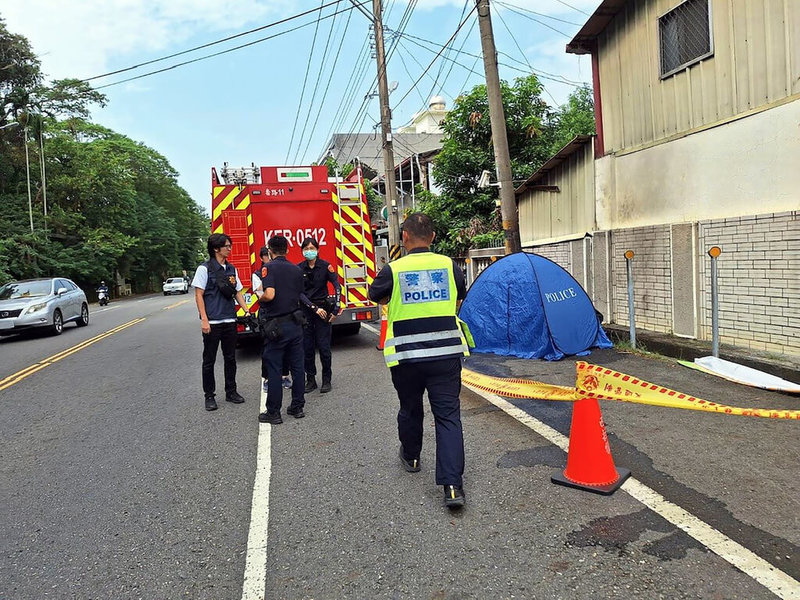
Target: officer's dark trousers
{"points": [[317, 336], [226, 334], [284, 368], [289, 345], [442, 379]]}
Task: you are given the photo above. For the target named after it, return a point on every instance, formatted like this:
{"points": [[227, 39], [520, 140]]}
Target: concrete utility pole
{"points": [[386, 128], [508, 204]]}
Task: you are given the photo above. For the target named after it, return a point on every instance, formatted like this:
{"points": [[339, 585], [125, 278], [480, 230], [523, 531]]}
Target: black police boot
{"points": [[454, 496], [326, 386], [211, 403], [412, 466], [296, 412], [268, 417], [311, 384]]}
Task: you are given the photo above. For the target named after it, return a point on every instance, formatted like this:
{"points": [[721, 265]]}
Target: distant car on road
{"points": [[41, 303], [175, 285]]}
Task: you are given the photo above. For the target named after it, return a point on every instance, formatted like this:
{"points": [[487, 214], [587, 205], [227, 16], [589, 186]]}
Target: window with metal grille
{"points": [[685, 35]]}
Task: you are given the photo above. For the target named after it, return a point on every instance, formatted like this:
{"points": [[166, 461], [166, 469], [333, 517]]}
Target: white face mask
{"points": [[310, 254]]}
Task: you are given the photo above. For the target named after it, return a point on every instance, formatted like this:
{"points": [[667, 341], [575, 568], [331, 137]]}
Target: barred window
{"points": [[685, 35]]}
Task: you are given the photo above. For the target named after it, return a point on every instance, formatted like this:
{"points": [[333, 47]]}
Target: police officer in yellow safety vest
{"points": [[423, 349]]}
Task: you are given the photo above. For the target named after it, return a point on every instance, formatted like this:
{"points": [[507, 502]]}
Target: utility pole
{"points": [[386, 128], [28, 171], [42, 169], [508, 204]]}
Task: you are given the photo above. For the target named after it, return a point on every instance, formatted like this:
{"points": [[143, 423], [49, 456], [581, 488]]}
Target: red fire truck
{"points": [[252, 204]]}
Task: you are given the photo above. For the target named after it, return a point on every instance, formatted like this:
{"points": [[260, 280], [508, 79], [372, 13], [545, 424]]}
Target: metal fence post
{"points": [[714, 253], [631, 315]]}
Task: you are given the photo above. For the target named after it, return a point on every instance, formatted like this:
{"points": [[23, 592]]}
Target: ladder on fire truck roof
{"points": [[352, 232]]}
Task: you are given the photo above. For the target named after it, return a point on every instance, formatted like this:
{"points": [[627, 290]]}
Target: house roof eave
{"points": [[578, 142], [584, 40]]}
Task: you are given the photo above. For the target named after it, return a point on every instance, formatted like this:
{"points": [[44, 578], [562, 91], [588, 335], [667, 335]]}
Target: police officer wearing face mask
{"points": [[321, 310]]}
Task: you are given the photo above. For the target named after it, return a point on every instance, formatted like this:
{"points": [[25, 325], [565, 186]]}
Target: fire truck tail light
{"points": [[240, 328], [363, 316]]}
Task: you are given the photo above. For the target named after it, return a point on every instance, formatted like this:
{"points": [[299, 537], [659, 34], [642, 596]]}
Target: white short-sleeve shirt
{"points": [[201, 280]]}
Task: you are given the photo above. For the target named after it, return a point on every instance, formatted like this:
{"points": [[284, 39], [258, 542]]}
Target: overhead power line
{"points": [[392, 47], [538, 14], [357, 76], [215, 42], [221, 52], [438, 54], [534, 19], [305, 81], [573, 7], [521, 51], [450, 50], [538, 72], [322, 63]]}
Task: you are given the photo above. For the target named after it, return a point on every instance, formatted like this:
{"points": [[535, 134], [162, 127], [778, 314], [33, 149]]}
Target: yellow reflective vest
{"points": [[422, 323]]}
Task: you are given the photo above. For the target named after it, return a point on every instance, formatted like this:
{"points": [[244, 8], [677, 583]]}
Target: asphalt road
{"points": [[115, 483]]}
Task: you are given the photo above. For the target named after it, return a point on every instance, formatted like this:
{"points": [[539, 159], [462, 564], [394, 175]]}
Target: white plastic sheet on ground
{"points": [[745, 375]]}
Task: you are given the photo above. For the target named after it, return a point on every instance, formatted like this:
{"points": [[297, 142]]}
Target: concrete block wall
{"points": [[652, 292], [759, 278], [558, 253], [759, 281]]}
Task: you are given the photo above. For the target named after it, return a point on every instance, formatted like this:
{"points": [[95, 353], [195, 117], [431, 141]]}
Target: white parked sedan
{"points": [[175, 285], [45, 303]]}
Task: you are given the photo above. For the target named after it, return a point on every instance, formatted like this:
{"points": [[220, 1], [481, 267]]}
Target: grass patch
{"points": [[640, 349]]}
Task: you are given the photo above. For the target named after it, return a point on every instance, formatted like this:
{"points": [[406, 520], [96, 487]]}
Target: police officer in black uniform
{"points": [[257, 286], [283, 330], [320, 312]]}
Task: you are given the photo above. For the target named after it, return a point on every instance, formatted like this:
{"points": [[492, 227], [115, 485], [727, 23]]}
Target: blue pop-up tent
{"points": [[528, 306]]}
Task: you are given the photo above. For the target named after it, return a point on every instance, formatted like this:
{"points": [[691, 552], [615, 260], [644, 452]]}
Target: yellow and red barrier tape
{"points": [[517, 388], [605, 384]]}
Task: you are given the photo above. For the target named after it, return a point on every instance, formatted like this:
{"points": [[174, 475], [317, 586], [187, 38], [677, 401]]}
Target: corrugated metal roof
{"points": [[583, 41], [576, 144], [368, 147]]}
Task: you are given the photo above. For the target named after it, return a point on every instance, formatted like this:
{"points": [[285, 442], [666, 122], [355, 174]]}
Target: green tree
{"points": [[574, 118], [465, 214], [20, 73], [114, 204]]}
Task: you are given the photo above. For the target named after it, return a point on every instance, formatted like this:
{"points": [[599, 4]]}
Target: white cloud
{"points": [[85, 38]]}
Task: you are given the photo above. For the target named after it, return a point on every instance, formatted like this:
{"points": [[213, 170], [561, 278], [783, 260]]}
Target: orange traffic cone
{"points": [[384, 317], [589, 463]]}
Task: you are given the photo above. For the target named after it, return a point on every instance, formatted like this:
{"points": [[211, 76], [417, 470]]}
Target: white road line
{"points": [[99, 310], [772, 578], [371, 328], [255, 568]]}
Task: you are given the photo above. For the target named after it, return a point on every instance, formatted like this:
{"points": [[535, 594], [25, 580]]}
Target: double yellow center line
{"points": [[20, 375]]}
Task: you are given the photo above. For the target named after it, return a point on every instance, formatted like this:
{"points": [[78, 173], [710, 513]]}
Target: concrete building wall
{"points": [[755, 63], [652, 297], [732, 170], [759, 281], [558, 253]]}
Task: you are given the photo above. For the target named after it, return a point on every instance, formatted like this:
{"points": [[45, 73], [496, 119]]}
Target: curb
{"points": [[785, 367]]}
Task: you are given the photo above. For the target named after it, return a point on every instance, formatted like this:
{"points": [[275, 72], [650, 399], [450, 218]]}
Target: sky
{"points": [[275, 102]]}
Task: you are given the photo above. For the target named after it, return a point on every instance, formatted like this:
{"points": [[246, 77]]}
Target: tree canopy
{"points": [[101, 204], [466, 215]]}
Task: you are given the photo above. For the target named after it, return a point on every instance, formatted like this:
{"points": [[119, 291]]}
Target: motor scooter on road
{"points": [[102, 297]]}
